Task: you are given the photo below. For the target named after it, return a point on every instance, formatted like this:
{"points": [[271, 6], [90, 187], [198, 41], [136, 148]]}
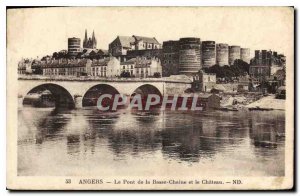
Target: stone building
{"points": [[90, 42], [144, 43], [24, 66], [267, 57], [66, 67], [148, 53], [128, 66], [73, 46], [204, 82], [208, 81], [141, 67], [222, 54], [245, 55], [122, 44], [170, 58], [189, 55], [263, 57], [29, 66], [208, 54], [260, 72], [108, 67], [243, 83], [234, 54], [265, 63]]}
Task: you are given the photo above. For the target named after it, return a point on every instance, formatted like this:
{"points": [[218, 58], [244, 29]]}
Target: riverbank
{"points": [[256, 101], [268, 102]]}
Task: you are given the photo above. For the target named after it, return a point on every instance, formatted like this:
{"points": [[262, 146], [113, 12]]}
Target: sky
{"points": [[41, 31]]}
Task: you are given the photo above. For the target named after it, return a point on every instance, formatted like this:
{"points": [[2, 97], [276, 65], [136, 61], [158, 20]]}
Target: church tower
{"points": [[85, 40], [91, 42], [94, 41]]}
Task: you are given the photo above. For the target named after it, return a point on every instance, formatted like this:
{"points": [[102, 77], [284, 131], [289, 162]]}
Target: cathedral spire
{"points": [[94, 40], [85, 36], [93, 37]]}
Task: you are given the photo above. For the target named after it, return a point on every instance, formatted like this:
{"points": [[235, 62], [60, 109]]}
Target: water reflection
{"points": [[191, 137], [38, 124]]}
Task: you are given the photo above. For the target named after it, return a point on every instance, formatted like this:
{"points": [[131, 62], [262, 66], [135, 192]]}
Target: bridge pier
{"points": [[78, 101]]}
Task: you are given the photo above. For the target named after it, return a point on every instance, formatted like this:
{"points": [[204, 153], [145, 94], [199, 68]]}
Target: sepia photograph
{"points": [[150, 98]]}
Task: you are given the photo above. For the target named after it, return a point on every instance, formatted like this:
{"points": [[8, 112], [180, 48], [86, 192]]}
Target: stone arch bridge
{"points": [[71, 90]]}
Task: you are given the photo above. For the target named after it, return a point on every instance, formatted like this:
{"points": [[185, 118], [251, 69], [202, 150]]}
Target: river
{"points": [[58, 142]]}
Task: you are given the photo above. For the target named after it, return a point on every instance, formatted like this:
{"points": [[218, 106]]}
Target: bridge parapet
{"points": [[102, 79]]}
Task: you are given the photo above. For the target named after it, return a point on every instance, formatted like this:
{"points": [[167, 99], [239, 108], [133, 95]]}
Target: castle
{"points": [[89, 42]]}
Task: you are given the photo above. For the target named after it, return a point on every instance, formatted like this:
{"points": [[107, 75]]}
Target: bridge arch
{"points": [[61, 96], [146, 89], [91, 96]]}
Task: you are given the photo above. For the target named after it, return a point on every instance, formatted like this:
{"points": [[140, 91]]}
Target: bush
{"points": [[239, 68], [156, 75], [125, 74]]}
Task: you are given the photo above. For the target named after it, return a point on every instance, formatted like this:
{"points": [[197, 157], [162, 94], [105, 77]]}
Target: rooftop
{"points": [[151, 40], [127, 41]]}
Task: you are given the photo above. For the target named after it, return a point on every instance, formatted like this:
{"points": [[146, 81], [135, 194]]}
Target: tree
{"points": [[38, 70], [45, 57], [60, 55], [78, 56], [239, 68], [55, 55], [157, 75], [242, 66], [125, 74]]}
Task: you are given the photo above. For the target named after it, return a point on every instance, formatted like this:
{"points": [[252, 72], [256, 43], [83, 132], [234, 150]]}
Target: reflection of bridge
{"points": [[72, 90]]}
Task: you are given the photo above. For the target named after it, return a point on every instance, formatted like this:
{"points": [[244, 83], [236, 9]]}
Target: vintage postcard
{"points": [[150, 98]]}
